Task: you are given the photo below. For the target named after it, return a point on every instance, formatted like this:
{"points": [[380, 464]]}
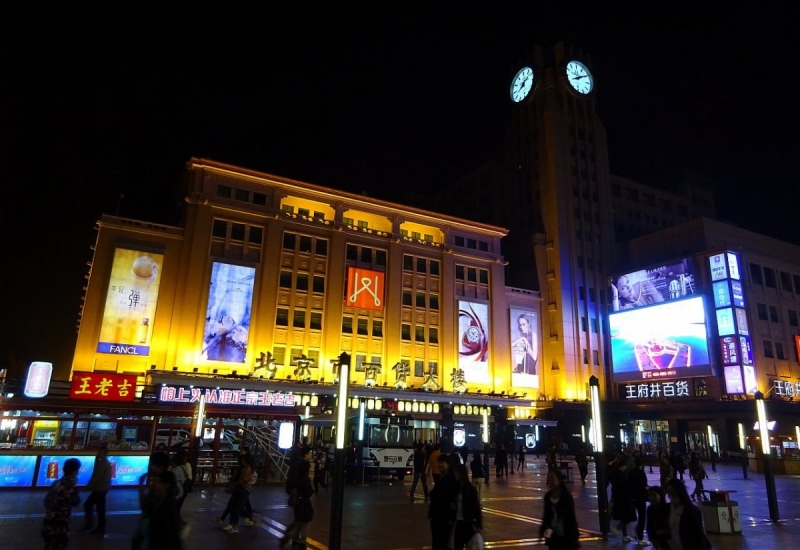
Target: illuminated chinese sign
{"points": [[783, 388], [130, 303], [364, 288], [252, 398], [38, 382], [99, 386], [677, 388]]}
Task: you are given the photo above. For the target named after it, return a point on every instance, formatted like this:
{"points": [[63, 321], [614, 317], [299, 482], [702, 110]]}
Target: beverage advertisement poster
{"points": [[230, 300], [51, 468], [730, 349], [663, 283], [126, 470], [130, 306], [37, 384], [722, 296], [719, 270], [524, 348], [17, 471], [473, 343]]}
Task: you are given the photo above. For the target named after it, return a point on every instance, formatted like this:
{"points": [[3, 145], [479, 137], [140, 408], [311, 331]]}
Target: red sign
{"points": [[100, 386], [364, 288], [797, 345]]}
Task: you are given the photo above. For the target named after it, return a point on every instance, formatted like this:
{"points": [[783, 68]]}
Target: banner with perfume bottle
{"points": [[130, 303]]}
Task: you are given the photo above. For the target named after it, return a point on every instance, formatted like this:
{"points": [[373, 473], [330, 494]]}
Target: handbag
{"points": [[475, 543]]}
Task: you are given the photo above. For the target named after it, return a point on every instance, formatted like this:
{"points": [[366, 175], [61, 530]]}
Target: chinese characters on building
{"points": [[678, 388], [99, 386], [783, 388], [185, 394]]}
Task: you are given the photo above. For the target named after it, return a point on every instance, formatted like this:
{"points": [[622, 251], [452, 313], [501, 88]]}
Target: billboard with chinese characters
{"points": [[730, 348], [662, 283], [130, 303], [126, 470], [524, 348], [51, 468], [101, 386], [230, 300], [664, 341], [250, 398], [473, 341], [651, 390], [365, 288], [17, 471], [719, 269]]}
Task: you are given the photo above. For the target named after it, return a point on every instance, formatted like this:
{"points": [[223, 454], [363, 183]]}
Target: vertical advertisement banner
{"points": [[364, 288], [473, 344], [524, 348], [130, 302], [230, 301]]}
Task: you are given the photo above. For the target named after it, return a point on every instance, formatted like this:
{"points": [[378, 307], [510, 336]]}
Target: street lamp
{"points": [[485, 437], [599, 458], [743, 450], [340, 454], [769, 475]]}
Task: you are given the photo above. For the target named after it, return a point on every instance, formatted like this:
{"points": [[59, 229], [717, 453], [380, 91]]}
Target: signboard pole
{"points": [[340, 455], [599, 456]]}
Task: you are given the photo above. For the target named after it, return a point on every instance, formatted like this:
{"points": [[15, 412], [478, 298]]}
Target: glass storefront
{"points": [[649, 437]]}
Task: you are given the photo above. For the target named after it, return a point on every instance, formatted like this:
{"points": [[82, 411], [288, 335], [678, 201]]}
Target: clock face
{"points": [[521, 84], [473, 335], [579, 77]]}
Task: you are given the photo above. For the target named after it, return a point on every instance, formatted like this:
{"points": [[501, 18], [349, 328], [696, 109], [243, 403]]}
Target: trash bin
{"points": [[717, 516]]}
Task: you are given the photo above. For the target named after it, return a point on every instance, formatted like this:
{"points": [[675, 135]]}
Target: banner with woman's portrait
{"points": [[524, 348]]}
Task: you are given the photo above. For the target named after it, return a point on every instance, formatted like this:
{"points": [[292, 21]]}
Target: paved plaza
{"points": [[380, 515]]}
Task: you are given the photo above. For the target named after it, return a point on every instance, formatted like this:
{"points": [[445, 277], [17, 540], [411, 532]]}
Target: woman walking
{"points": [[478, 473], [698, 474], [559, 525], [468, 509], [685, 520], [300, 491]]}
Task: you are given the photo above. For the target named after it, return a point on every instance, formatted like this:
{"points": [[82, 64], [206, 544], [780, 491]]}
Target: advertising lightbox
{"points": [[524, 348], [738, 293], [365, 288], [130, 303], [51, 468], [126, 470], [722, 296], [663, 283], [729, 346], [17, 471], [37, 384], [747, 350], [741, 321], [725, 322], [719, 270], [664, 341], [230, 300], [733, 266], [733, 380], [473, 344]]}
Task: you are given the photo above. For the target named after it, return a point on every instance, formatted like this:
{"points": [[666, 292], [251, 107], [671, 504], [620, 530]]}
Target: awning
{"points": [[535, 422]]}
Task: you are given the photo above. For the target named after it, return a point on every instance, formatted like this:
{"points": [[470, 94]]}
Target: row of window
{"points": [[298, 319], [590, 263], [774, 350], [243, 195], [362, 326], [473, 274], [237, 231], [305, 244], [582, 294], [366, 255], [474, 244], [595, 325], [665, 205], [595, 357], [421, 265], [588, 136], [301, 282], [422, 300], [289, 209], [419, 333], [771, 313], [584, 193], [769, 277]]}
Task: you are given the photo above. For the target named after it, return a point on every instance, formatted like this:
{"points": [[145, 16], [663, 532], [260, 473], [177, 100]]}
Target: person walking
{"points": [[433, 464], [468, 509], [183, 476], [442, 507], [521, 459], [685, 520], [666, 471], [478, 474], [583, 463], [61, 498], [300, 491], [657, 519], [237, 504], [552, 457], [420, 473], [637, 480], [320, 465], [698, 474], [559, 525], [501, 461], [623, 510], [98, 485]]}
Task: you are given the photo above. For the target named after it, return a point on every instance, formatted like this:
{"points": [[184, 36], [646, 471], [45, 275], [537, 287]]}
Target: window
{"points": [[319, 215], [434, 267], [583, 324], [366, 255], [484, 276], [260, 199], [595, 326], [792, 318], [755, 274], [322, 247], [256, 235], [224, 191], [347, 221], [377, 328], [762, 312], [380, 257], [352, 252], [363, 328], [347, 325], [305, 244], [299, 318], [282, 318], [405, 331], [363, 224], [786, 281], [360, 360], [459, 241], [769, 277], [289, 241], [595, 357], [585, 356], [220, 229], [419, 368], [419, 333], [288, 208], [304, 212], [242, 195], [483, 246], [472, 275], [631, 194], [666, 205], [591, 295], [319, 284], [285, 279], [681, 208], [779, 353], [422, 266], [428, 238], [433, 335], [773, 314], [279, 353], [433, 367], [421, 299], [408, 263], [459, 273], [407, 298], [302, 282], [768, 350], [237, 232], [582, 293], [316, 320], [616, 190], [415, 235], [471, 243], [433, 302], [796, 283]]}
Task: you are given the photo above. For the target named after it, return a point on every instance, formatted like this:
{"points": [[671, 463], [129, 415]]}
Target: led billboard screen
{"points": [[130, 302], [664, 341], [230, 300], [663, 283], [17, 471], [524, 348], [473, 343]]}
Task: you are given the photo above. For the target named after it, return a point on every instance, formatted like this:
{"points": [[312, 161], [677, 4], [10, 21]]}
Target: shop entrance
{"points": [[649, 437], [698, 442]]}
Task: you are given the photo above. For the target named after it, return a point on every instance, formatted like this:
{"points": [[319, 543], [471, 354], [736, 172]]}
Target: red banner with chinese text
{"points": [[101, 386]]}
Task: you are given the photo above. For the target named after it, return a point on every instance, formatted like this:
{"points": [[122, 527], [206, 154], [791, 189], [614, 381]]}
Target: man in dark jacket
{"points": [[99, 484], [637, 480], [442, 509], [420, 473], [623, 510]]}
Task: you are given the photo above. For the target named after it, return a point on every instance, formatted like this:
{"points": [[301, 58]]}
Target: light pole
{"points": [[340, 455], [743, 450], [599, 456], [485, 438], [769, 475]]}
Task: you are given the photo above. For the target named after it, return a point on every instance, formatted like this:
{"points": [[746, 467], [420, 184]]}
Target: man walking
{"points": [[420, 473], [99, 484]]}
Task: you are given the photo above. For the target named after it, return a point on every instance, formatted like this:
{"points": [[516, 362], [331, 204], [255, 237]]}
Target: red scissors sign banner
{"points": [[364, 288]]}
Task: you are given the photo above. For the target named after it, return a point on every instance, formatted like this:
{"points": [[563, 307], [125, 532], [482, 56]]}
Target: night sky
{"points": [[390, 101]]}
